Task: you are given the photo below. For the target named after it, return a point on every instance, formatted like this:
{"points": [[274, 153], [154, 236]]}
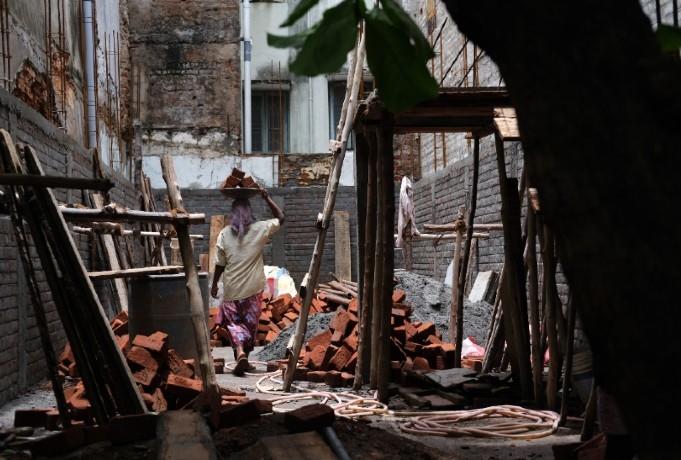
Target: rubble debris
{"points": [[165, 380], [430, 301]]}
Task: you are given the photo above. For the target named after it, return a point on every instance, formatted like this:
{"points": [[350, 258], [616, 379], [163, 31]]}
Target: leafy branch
{"points": [[397, 51], [669, 37]]}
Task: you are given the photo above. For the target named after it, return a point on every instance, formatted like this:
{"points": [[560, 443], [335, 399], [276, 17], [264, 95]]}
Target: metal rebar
{"points": [[458, 55]]}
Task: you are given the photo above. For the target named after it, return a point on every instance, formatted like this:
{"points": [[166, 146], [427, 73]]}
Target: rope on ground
{"points": [[346, 404], [537, 423]]}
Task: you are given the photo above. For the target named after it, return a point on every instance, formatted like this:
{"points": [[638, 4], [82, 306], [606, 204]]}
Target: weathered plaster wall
{"points": [[67, 108], [188, 55]]}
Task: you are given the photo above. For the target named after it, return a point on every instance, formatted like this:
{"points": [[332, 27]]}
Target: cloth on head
{"points": [[405, 218], [244, 273]]}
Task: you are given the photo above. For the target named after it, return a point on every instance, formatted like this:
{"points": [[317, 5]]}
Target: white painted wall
{"points": [[309, 96]]}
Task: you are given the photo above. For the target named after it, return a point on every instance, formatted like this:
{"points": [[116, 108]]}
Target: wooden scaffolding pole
{"points": [[368, 156], [533, 297], [201, 335], [459, 225], [386, 203], [461, 279], [311, 278], [379, 263], [514, 298]]}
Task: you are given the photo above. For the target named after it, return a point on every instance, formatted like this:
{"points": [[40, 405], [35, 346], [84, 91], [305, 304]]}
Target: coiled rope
{"points": [[524, 424]]}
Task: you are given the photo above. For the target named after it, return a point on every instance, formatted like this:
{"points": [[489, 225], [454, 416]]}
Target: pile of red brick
{"points": [[331, 356], [277, 314], [164, 378], [238, 179]]}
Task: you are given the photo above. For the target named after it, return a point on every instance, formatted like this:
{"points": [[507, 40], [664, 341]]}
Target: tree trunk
{"points": [[599, 109]]}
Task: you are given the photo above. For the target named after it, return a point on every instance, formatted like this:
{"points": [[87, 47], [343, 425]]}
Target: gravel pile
{"points": [[431, 300], [277, 349]]}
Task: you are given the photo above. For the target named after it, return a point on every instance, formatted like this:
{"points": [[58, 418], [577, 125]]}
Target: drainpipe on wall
{"points": [[247, 74], [89, 27]]}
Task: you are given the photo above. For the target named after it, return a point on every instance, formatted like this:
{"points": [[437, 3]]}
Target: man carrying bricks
{"points": [[238, 259]]}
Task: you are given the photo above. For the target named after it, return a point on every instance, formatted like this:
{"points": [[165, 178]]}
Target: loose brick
{"points": [[351, 364], [177, 365], [125, 429], [159, 403], [399, 296], [145, 377], [424, 330], [183, 387], [316, 357], [309, 418], [323, 339], [248, 182], [340, 358], [153, 345], [239, 414], [142, 357], [333, 379], [337, 337], [421, 364]]}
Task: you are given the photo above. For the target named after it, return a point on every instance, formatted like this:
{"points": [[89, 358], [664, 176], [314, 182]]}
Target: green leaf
{"points": [[403, 21], [289, 41], [325, 49], [669, 37], [299, 11], [399, 65]]}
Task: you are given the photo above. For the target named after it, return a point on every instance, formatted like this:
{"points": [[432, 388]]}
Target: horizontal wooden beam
{"points": [[117, 214], [135, 233], [33, 180], [135, 272], [442, 228], [445, 236]]}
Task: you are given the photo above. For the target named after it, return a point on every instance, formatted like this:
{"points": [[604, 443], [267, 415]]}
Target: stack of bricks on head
{"points": [[164, 378], [331, 356], [239, 179]]}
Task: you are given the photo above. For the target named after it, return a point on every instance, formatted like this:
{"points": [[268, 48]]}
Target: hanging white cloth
{"points": [[405, 217]]}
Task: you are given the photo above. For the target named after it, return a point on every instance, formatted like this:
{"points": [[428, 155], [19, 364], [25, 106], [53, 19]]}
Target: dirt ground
{"points": [[378, 438]]}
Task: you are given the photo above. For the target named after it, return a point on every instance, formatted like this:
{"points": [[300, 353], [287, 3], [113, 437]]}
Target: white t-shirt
{"points": [[244, 273]]}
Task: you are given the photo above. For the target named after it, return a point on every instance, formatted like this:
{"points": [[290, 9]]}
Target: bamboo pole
{"points": [[312, 276], [366, 301], [115, 229], [551, 331], [456, 261], [461, 279], [533, 296], [198, 314], [569, 354]]}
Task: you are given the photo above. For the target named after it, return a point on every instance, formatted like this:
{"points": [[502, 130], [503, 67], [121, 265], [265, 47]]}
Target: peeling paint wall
{"points": [[53, 83], [187, 53]]}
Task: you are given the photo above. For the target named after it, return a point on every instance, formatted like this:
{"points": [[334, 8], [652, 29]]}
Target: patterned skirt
{"points": [[240, 318]]}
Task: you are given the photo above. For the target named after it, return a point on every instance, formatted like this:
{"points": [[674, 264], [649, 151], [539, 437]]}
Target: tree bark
{"points": [[599, 109]]}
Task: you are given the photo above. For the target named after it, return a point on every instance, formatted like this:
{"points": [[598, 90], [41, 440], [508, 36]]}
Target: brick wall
{"points": [[21, 356], [292, 247]]}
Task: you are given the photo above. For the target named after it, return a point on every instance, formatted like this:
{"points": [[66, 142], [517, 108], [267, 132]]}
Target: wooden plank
{"points": [[217, 223], [198, 318], [112, 258], [134, 272], [443, 228], [305, 446], [506, 124], [343, 251], [32, 180], [113, 213], [184, 434], [481, 287], [108, 380]]}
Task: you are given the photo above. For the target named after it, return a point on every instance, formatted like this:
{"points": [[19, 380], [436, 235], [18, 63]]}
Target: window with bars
{"points": [[270, 121], [336, 96]]}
